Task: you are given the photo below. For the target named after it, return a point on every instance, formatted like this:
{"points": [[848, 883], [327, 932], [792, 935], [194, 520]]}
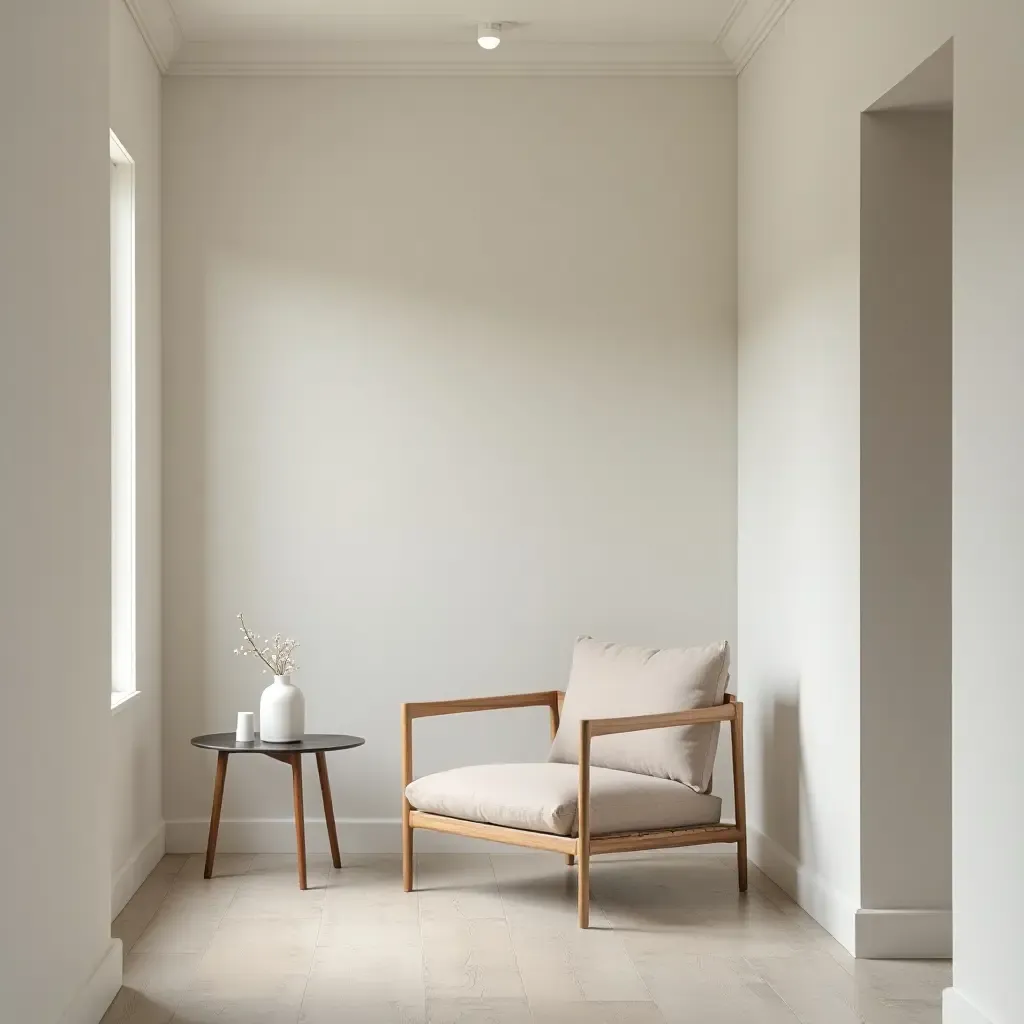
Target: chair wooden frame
{"points": [[583, 846]]}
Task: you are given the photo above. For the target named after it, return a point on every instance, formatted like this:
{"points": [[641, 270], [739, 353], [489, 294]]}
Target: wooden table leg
{"points": [[325, 792], [218, 800], [300, 820]]}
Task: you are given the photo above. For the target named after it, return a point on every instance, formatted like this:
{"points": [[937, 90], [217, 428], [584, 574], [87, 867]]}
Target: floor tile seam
{"points": [[575, 978], [511, 940], [785, 1002], [423, 946], [312, 961], [793, 1010], [639, 974]]}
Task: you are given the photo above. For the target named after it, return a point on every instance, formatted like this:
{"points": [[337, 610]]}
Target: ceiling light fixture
{"points": [[488, 34]]}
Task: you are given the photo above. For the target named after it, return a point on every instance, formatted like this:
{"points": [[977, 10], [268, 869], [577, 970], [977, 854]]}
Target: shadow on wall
{"points": [[781, 774], [432, 435], [188, 703]]}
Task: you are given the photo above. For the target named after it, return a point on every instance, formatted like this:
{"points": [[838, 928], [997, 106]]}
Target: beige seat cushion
{"points": [[543, 798], [613, 681]]}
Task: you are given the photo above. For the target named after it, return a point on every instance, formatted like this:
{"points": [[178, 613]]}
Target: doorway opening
{"points": [[906, 516]]}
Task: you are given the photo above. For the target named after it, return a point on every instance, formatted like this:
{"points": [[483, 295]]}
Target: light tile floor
{"points": [[493, 940]]}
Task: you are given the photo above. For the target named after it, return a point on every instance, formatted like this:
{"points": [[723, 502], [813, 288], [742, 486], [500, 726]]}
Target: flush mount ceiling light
{"points": [[488, 34]]}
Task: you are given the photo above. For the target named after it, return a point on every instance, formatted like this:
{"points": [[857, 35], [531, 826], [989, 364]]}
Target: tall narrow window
{"points": [[122, 419]]}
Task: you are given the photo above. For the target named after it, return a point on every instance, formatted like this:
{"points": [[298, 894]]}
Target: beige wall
{"points": [[449, 379], [799, 597], [906, 434], [57, 960], [988, 510], [136, 796]]}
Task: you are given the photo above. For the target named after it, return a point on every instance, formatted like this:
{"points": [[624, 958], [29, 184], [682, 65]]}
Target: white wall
{"points": [[800, 104], [988, 510], [799, 120], [448, 379], [136, 792], [57, 959]]}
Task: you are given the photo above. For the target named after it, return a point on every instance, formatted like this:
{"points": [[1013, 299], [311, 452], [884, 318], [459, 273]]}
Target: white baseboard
{"points": [[957, 1010], [92, 1000], [905, 934], [867, 934], [835, 912], [136, 869], [355, 835]]}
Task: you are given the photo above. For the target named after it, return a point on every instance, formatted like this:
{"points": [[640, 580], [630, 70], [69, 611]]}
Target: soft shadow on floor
{"points": [[493, 940]]}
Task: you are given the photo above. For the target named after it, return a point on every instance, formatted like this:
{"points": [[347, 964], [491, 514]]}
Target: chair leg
{"points": [[407, 866], [583, 888], [740, 795], [570, 859], [406, 849], [583, 824]]}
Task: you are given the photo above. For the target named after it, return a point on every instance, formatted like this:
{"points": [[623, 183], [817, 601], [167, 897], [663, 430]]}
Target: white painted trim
{"points": [[508, 70], [834, 911], [93, 998], [159, 28], [136, 869], [749, 24], [121, 699], [123, 422], [118, 154], [904, 934], [370, 58], [763, 31], [730, 20], [355, 835], [957, 1010], [867, 934], [746, 27]]}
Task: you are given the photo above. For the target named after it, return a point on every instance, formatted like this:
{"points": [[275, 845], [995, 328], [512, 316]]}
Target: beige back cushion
{"points": [[612, 681]]}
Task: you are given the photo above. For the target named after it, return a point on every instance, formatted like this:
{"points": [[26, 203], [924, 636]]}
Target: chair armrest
{"points": [[427, 709], [550, 699], [591, 727], [730, 711], [638, 723]]}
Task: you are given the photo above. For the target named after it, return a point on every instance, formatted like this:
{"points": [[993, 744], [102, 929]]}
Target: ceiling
{"points": [[414, 37]]}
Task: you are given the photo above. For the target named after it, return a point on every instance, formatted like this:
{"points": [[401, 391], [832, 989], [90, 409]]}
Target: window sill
{"points": [[120, 699]]}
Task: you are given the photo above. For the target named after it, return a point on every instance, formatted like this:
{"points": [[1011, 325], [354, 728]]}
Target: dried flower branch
{"points": [[278, 654]]}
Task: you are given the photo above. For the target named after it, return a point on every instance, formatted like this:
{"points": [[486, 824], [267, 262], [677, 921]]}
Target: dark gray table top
{"points": [[311, 743]]}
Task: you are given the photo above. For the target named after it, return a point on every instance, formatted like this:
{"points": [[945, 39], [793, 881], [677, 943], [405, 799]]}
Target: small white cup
{"points": [[245, 732]]}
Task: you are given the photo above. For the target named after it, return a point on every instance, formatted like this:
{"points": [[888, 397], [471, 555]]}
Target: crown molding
{"points": [[158, 26], [724, 32], [441, 70], [459, 59], [749, 24]]}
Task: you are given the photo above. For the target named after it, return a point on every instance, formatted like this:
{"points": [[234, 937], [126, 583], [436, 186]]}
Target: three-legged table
{"points": [[290, 753]]}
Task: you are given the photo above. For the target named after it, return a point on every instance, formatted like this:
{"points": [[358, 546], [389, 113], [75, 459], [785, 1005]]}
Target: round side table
{"points": [[290, 753]]}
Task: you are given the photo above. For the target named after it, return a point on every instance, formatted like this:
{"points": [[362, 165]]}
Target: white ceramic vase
{"points": [[282, 712]]}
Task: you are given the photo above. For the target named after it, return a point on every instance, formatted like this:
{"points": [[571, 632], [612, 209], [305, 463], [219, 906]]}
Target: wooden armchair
{"points": [[586, 842]]}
